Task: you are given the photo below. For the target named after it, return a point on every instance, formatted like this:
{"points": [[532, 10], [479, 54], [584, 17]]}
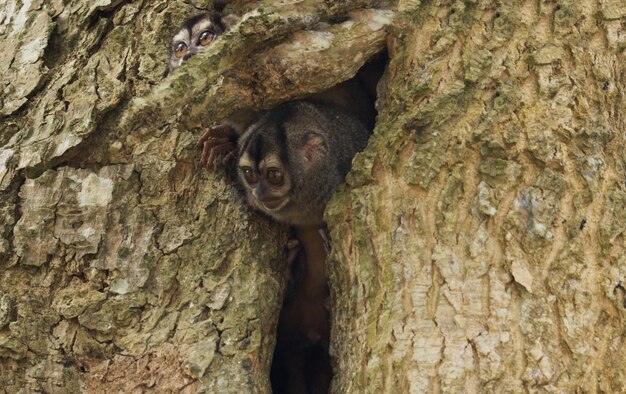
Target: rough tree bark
{"points": [[478, 246]]}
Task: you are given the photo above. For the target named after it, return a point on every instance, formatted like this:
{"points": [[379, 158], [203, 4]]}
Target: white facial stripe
{"points": [[270, 161], [246, 161], [182, 35], [201, 26]]}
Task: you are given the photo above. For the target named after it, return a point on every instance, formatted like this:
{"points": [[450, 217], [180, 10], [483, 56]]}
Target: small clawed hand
{"points": [[216, 140]]}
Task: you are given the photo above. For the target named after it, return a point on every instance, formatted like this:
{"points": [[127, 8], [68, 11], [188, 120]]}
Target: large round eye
{"points": [[180, 49], [206, 37], [250, 175], [275, 177]]}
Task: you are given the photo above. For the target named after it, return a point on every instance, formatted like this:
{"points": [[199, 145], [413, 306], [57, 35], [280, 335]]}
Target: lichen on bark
{"points": [[477, 246], [125, 265]]}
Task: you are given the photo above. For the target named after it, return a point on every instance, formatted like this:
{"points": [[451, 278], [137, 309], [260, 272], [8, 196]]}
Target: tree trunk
{"points": [[479, 245]]}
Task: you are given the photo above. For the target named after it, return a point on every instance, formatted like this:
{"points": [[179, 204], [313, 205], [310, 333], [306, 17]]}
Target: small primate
{"points": [[290, 160], [295, 156], [194, 36]]}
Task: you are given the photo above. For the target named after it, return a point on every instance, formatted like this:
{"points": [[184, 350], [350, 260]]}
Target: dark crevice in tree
{"points": [[10, 213], [305, 366]]}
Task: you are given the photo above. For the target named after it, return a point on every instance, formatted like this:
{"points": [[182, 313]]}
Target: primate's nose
{"points": [[188, 55]]}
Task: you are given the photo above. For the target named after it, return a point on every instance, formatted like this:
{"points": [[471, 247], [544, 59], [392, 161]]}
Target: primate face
{"points": [[195, 35]]}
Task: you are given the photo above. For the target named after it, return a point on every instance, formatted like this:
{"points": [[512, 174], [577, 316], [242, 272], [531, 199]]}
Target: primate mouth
{"points": [[275, 203]]}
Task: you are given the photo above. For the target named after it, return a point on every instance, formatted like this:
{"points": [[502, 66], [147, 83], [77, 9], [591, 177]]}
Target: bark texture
{"points": [[479, 245], [125, 266]]}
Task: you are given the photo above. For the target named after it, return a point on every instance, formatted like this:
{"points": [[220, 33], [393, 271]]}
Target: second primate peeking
{"points": [[290, 160], [194, 35]]}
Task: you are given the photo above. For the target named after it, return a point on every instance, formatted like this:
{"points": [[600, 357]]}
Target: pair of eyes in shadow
{"points": [[205, 38], [273, 175]]}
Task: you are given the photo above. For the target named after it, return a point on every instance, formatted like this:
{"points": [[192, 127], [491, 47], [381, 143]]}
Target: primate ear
{"points": [[312, 148]]}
